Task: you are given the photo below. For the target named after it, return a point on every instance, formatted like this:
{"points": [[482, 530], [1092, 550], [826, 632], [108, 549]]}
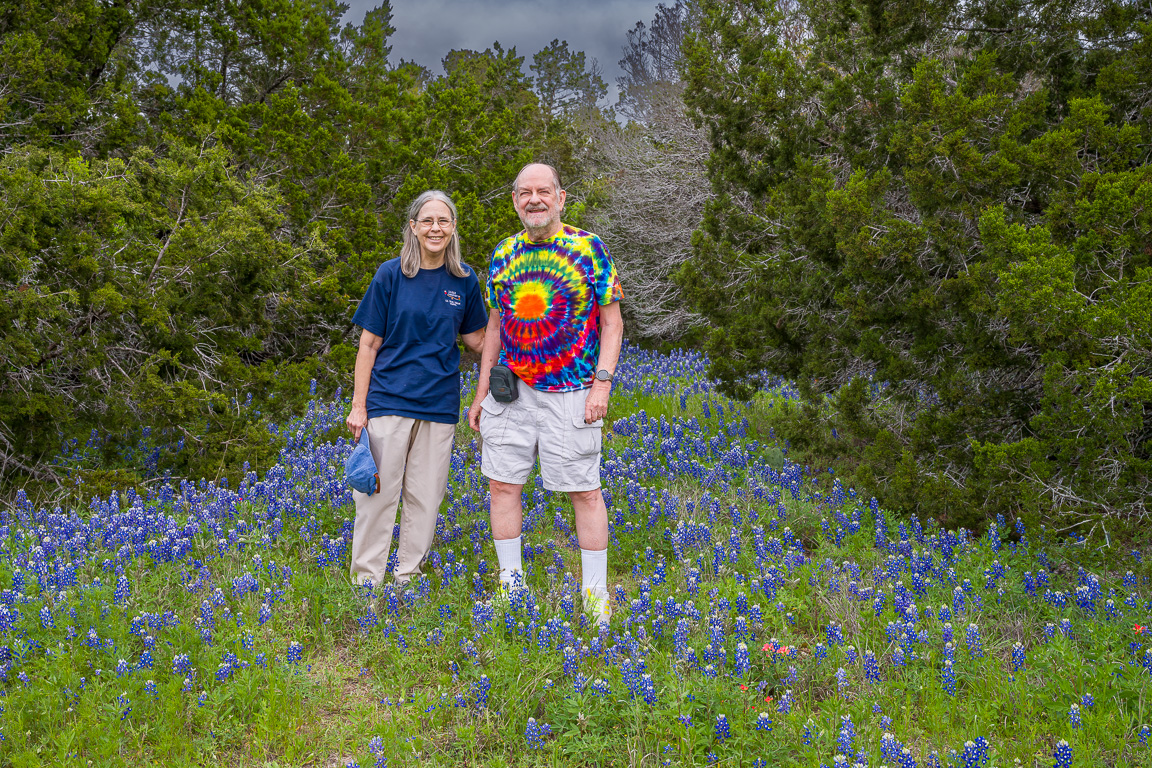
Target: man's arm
{"points": [[488, 357], [361, 377], [611, 337]]}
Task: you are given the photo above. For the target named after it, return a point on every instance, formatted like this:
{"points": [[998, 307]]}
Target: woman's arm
{"points": [[474, 341], [361, 378], [488, 357]]}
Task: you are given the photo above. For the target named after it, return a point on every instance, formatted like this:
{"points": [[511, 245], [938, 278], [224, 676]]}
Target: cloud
{"points": [[426, 31]]}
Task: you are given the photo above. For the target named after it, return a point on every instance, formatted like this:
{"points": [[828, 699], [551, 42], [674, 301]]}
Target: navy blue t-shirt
{"points": [[417, 369]]}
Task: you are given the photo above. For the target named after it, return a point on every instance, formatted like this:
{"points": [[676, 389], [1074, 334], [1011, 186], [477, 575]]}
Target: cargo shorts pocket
{"points": [[493, 424], [584, 440]]}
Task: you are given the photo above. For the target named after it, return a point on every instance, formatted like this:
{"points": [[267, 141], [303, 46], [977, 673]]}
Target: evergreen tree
{"points": [[193, 196], [947, 199]]}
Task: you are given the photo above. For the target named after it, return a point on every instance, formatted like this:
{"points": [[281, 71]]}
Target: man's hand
{"points": [[474, 412], [596, 404], [357, 420]]}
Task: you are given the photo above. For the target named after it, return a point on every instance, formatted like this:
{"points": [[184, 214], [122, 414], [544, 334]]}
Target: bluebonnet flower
{"points": [[647, 689], [535, 733], [1063, 755], [721, 728], [123, 702], [1074, 716], [571, 660], [975, 752], [1087, 701], [295, 652], [1018, 658], [958, 600], [123, 590], [975, 644], [480, 689], [842, 679], [763, 722], [846, 740], [1144, 732], [948, 678], [742, 663], [376, 748], [806, 737], [890, 747], [871, 667]]}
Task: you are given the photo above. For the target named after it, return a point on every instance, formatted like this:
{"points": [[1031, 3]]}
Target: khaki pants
{"points": [[413, 457]]}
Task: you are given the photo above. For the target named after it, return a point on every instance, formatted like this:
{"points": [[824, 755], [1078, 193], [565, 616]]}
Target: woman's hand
{"points": [[357, 420]]}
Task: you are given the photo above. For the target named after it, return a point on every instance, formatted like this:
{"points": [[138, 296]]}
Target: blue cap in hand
{"points": [[360, 468]]}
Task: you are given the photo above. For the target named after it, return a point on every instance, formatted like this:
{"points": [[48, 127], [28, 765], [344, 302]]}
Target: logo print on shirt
{"points": [[452, 299]]}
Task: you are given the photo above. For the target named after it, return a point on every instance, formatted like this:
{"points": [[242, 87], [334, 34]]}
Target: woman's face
{"points": [[433, 228]]}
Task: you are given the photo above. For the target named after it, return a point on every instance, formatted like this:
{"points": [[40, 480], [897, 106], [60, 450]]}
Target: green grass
{"points": [[406, 667]]}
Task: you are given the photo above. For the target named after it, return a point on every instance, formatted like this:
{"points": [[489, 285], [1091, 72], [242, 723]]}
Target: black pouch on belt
{"points": [[502, 384]]}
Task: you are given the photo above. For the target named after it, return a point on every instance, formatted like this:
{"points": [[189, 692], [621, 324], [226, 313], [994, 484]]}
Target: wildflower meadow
{"points": [[763, 615]]}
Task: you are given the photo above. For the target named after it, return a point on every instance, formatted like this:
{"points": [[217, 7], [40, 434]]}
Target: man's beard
{"points": [[537, 219]]}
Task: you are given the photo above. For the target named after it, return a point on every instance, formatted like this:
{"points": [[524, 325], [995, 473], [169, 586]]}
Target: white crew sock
{"points": [[508, 555], [594, 572]]}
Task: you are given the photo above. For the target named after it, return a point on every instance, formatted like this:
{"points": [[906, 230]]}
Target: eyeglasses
{"points": [[428, 223]]}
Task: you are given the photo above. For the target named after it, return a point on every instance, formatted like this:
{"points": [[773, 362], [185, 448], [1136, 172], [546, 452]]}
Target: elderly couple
{"points": [[548, 350]]}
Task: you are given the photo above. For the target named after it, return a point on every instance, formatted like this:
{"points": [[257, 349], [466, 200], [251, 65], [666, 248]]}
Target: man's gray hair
{"points": [[552, 168], [410, 251]]}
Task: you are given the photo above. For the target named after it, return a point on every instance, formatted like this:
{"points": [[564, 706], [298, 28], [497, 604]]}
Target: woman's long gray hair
{"points": [[410, 251]]}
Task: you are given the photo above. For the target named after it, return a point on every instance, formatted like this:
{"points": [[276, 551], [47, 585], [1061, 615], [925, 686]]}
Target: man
{"points": [[555, 323]]}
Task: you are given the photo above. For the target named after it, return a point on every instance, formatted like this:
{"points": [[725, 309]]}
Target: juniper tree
{"points": [[949, 199]]}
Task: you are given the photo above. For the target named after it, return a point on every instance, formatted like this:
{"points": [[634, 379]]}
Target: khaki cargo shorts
{"points": [[545, 424]]}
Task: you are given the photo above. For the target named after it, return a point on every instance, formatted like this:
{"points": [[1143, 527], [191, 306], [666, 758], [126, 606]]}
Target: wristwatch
{"points": [[603, 375]]}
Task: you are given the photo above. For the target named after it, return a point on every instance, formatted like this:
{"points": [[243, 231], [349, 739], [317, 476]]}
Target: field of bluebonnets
{"points": [[764, 616]]}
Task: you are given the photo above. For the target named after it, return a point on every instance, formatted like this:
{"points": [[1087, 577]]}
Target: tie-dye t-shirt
{"points": [[549, 296]]}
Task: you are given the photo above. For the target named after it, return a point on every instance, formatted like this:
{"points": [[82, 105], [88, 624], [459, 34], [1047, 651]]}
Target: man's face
{"points": [[538, 202]]}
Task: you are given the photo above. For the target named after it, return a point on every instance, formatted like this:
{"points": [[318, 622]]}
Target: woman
{"points": [[407, 385]]}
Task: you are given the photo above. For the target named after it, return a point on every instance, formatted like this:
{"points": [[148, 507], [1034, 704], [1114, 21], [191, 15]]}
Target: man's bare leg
{"points": [[592, 532], [507, 522]]}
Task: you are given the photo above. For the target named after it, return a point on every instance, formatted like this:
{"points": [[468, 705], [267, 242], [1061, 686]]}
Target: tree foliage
{"points": [[949, 199], [565, 83], [193, 196]]}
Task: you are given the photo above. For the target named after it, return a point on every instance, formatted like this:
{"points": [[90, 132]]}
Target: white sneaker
{"points": [[598, 606]]}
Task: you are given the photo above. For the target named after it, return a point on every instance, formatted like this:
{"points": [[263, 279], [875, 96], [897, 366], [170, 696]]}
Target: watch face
{"points": [[603, 375]]}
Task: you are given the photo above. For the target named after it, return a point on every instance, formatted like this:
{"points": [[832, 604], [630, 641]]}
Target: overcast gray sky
{"points": [[427, 29]]}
